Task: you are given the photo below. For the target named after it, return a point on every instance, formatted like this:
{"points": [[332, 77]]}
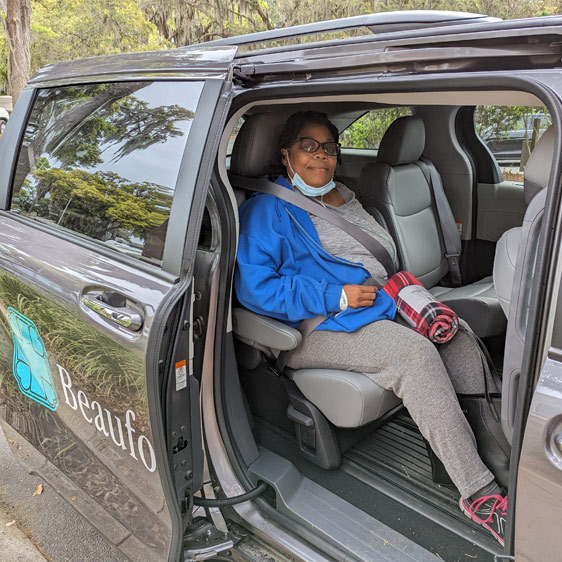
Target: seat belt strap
{"points": [[313, 207], [306, 327], [448, 228]]}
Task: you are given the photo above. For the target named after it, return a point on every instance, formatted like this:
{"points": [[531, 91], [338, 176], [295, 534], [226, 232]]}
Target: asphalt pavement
{"points": [[15, 545], [36, 524]]}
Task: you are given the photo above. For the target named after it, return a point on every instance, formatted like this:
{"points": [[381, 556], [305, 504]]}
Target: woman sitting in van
{"points": [[294, 266]]}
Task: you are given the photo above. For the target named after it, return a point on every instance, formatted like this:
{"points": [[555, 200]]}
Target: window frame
{"points": [[191, 162]]}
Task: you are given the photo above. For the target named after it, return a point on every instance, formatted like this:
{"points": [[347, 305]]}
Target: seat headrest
{"points": [[403, 142], [255, 149], [537, 170]]}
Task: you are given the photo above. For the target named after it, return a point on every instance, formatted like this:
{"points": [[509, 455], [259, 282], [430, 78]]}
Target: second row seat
{"points": [[396, 186]]}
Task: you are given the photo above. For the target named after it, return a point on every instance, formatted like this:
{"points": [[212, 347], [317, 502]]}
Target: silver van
{"points": [[134, 383]]}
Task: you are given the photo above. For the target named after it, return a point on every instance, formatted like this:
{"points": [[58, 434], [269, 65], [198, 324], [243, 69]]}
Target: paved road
{"points": [[46, 527], [14, 544]]}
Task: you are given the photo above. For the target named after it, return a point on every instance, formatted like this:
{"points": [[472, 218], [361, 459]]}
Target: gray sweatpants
{"points": [[399, 359]]}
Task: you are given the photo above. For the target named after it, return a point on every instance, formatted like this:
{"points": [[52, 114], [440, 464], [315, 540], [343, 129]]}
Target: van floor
{"points": [[388, 475]]}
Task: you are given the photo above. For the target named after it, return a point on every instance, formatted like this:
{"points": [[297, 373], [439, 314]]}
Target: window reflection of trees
{"points": [[74, 130], [95, 204]]}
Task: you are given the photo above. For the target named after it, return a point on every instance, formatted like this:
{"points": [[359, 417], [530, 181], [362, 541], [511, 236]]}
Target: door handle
{"points": [[121, 315]]}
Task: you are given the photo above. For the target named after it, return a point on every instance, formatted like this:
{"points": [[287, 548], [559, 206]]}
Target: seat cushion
{"points": [[477, 304], [346, 398]]}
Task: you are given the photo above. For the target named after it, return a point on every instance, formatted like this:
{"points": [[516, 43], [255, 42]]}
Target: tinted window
{"points": [[101, 160], [369, 129], [511, 132]]}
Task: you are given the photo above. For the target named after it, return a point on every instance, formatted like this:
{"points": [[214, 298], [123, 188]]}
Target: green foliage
{"points": [[496, 121], [369, 129], [505, 9], [94, 204], [71, 29], [68, 29], [4, 52], [184, 23]]}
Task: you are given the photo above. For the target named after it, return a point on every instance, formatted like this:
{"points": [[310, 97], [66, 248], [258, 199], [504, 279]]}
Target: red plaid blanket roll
{"points": [[431, 318]]}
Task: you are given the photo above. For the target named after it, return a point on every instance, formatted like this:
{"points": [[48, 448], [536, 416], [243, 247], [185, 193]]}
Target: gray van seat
{"points": [[346, 398], [396, 185], [537, 172], [514, 264]]}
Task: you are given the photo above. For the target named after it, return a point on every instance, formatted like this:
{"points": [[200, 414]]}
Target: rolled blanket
{"points": [[431, 318]]}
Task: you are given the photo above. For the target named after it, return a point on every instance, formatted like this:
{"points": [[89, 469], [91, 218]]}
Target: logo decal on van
{"points": [[31, 365]]}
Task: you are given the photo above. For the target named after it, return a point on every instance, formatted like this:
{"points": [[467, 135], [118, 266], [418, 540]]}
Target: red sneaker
{"points": [[488, 511]]}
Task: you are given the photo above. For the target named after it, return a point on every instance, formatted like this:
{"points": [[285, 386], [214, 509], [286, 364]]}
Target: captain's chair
{"points": [[346, 399], [397, 185]]}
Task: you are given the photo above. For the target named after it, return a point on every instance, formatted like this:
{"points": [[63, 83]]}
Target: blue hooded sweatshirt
{"points": [[283, 271]]}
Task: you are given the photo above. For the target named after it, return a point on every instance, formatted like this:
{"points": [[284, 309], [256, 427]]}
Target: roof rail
{"points": [[381, 22]]}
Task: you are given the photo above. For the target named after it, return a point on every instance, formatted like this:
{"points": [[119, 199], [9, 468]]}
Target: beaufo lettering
{"points": [[66, 386], [109, 424]]}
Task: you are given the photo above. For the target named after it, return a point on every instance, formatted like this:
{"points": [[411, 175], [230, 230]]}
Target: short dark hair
{"points": [[296, 123]]}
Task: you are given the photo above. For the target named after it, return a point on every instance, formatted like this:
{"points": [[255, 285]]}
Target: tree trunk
{"points": [[18, 14]]}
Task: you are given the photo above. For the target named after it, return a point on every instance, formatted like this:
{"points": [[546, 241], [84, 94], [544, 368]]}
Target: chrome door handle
{"points": [[122, 316]]}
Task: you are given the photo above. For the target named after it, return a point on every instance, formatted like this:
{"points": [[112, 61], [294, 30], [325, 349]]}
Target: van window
{"points": [[101, 160], [368, 130], [511, 132]]}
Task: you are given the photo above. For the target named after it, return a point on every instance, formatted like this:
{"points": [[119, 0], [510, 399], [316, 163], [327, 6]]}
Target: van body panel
{"points": [[107, 394], [81, 401], [539, 486]]}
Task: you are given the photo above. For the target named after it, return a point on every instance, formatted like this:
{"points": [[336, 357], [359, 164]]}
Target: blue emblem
{"points": [[31, 365]]}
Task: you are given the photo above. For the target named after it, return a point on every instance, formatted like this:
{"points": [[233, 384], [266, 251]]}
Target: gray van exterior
{"points": [[118, 373]]}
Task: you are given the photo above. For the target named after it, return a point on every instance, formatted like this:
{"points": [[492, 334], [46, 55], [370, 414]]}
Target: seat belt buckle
{"points": [[274, 368], [455, 257]]}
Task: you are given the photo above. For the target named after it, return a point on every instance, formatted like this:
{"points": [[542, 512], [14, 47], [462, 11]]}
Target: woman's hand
{"points": [[360, 295]]}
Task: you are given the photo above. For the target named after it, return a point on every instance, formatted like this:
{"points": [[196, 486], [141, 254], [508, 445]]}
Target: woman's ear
{"points": [[284, 156]]}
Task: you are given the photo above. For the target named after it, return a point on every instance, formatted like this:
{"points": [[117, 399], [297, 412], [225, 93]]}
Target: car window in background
{"points": [[368, 130], [101, 160], [511, 132]]}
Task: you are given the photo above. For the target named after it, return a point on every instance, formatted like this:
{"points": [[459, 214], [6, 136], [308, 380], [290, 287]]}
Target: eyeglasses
{"points": [[311, 146]]}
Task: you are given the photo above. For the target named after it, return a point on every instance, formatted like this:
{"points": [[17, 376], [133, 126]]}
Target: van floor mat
{"points": [[394, 459], [397, 449], [380, 499]]}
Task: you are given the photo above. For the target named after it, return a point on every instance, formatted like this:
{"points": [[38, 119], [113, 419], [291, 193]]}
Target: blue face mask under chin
{"points": [[306, 189]]}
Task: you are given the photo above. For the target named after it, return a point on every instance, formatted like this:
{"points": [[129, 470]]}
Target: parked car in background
{"points": [[132, 381], [508, 146], [4, 116]]}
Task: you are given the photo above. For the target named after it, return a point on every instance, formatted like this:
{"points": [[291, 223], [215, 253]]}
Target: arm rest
{"points": [[257, 330]]}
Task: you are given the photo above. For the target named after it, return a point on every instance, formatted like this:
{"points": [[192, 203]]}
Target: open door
{"points": [[98, 393]]}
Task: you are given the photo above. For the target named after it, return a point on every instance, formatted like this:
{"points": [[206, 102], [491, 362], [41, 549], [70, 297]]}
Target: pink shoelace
{"points": [[499, 503]]}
